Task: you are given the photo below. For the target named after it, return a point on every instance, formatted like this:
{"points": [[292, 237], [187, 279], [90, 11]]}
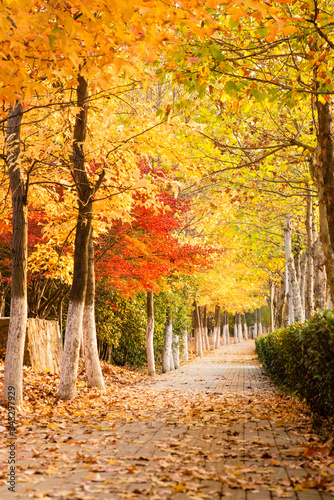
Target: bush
{"points": [[300, 359]]}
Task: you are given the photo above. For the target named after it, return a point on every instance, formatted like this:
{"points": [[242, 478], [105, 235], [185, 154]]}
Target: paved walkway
{"points": [[214, 428]]}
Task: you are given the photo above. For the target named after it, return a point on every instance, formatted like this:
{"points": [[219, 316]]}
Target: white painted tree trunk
{"points": [[298, 312], [303, 265], [150, 334], [176, 351], [240, 339], [255, 331], [18, 305], [259, 325], [224, 329], [228, 340], [197, 330], [167, 351], [310, 266], [90, 351], [172, 366], [70, 360], [235, 330], [319, 275], [185, 346], [217, 327], [245, 329]]}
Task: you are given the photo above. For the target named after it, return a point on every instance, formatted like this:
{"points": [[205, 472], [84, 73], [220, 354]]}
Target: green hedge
{"points": [[300, 358]]}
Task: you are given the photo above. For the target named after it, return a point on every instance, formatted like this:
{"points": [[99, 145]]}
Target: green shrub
{"points": [[300, 358]]}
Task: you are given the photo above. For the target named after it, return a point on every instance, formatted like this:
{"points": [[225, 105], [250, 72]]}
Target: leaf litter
{"points": [[139, 440]]}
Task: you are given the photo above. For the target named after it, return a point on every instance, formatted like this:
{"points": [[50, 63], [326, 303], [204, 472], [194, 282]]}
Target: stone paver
{"points": [[139, 448]]}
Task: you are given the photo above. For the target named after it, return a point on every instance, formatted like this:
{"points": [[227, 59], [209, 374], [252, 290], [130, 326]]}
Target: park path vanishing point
{"points": [[216, 427]]}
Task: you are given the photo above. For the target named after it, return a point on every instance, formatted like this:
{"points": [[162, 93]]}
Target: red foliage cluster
{"points": [[132, 257]]}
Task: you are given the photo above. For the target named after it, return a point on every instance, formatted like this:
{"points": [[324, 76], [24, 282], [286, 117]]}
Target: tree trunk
{"points": [[319, 275], [217, 326], [205, 329], [240, 339], [255, 325], [303, 266], [197, 330], [176, 351], [235, 329], [149, 335], [91, 356], [228, 340], [172, 366], [18, 303], [309, 265], [167, 351], [245, 328], [224, 329], [73, 331], [298, 312], [322, 169], [185, 346], [271, 306], [259, 325]]}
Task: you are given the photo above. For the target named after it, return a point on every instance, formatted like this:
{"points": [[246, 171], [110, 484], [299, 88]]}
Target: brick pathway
{"points": [[208, 439]]}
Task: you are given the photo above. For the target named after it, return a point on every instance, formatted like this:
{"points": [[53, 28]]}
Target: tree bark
{"points": [[217, 327], [240, 339], [245, 328], [322, 169], [73, 331], [255, 324], [185, 346], [18, 303], [259, 325], [176, 351], [319, 275], [91, 356], [271, 306], [309, 265], [197, 330], [298, 312], [205, 329], [303, 265], [168, 339], [149, 334], [235, 329]]}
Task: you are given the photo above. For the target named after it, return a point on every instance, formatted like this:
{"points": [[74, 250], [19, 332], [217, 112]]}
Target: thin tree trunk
{"points": [[228, 340], [167, 351], [205, 328], [310, 265], [255, 325], [185, 346], [245, 328], [298, 312], [197, 329], [224, 329], [235, 329], [73, 332], [18, 303], [259, 325], [176, 351], [218, 319], [92, 362], [172, 366], [319, 276], [240, 339], [271, 306], [303, 265], [149, 334]]}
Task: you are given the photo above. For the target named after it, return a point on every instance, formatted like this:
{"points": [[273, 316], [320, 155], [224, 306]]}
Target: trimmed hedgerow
{"points": [[300, 359]]}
